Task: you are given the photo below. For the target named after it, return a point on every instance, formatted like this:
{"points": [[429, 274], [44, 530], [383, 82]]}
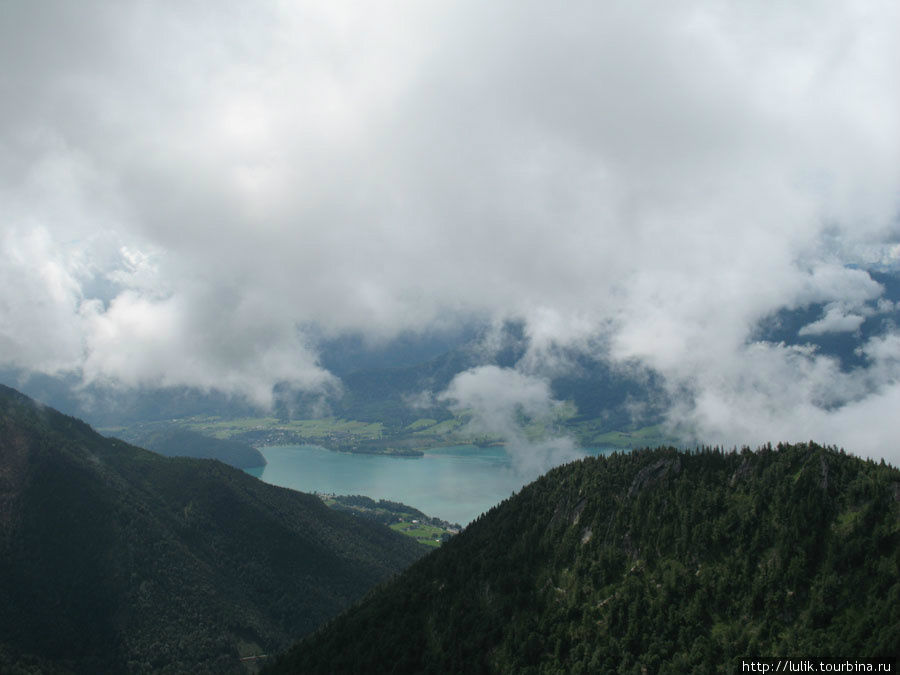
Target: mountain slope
{"points": [[653, 561], [114, 559], [175, 442]]}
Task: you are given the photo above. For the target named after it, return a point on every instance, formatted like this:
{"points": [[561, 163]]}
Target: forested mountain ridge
{"points": [[652, 561], [115, 559], [175, 442]]}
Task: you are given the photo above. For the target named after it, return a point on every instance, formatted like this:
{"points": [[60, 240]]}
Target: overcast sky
{"points": [[184, 186]]}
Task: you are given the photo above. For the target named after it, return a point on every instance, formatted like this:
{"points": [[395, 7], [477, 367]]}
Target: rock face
{"points": [[652, 561], [656, 472], [115, 559]]}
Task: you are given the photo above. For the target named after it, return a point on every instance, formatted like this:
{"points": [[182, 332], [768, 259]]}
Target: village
{"points": [[431, 532]]}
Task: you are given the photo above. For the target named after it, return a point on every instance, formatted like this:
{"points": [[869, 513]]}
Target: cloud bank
{"points": [[185, 186]]}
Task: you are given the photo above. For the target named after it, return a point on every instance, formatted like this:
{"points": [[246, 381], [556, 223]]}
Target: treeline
{"points": [[651, 561]]}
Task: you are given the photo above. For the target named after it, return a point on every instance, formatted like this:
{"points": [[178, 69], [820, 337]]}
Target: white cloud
{"points": [[182, 185], [836, 320], [884, 350], [795, 394], [138, 341], [501, 401], [493, 392], [39, 303]]}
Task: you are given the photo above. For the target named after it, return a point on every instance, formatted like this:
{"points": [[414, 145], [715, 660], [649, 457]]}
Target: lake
{"points": [[456, 483]]}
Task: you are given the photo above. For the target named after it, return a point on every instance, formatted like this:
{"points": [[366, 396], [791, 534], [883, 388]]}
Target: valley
{"points": [[431, 338], [411, 440], [455, 483], [427, 473], [651, 560]]}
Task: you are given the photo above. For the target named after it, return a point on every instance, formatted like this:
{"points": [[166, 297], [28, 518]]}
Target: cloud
{"points": [[495, 393], [794, 393], [136, 341], [501, 402], [39, 305], [836, 320], [184, 186]]}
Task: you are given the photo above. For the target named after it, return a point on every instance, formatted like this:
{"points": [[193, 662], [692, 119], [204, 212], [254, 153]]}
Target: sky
{"points": [[188, 188]]}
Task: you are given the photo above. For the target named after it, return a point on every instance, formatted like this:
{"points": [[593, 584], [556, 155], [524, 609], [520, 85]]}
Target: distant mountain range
{"points": [[382, 392], [645, 562], [384, 383], [115, 559]]}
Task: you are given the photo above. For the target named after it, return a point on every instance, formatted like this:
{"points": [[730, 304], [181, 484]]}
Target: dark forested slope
{"points": [[114, 559], [174, 442], [654, 561]]}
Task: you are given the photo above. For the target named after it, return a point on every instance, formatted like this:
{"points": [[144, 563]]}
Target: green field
{"points": [[421, 532], [421, 434], [420, 424], [402, 518], [590, 435], [451, 426], [318, 428]]}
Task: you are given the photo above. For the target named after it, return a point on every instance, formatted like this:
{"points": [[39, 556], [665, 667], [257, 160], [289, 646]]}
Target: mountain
{"points": [[115, 559], [378, 384], [651, 561], [112, 406], [352, 352], [605, 398], [175, 442]]}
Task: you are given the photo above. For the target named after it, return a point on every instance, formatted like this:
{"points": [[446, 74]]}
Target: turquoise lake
{"points": [[456, 483]]}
